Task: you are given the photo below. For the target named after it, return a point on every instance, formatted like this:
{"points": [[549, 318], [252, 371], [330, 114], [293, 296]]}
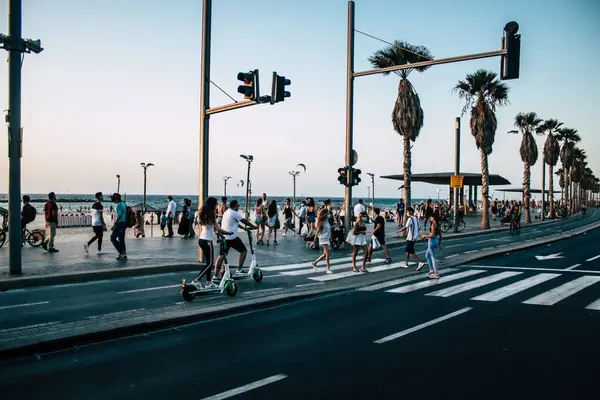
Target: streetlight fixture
{"points": [[438, 190], [249, 159], [294, 174], [372, 175], [145, 166], [225, 179], [118, 183]]}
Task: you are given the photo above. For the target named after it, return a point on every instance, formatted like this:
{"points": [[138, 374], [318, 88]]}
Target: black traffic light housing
{"points": [[511, 41], [356, 176], [249, 88], [343, 178], [278, 88]]}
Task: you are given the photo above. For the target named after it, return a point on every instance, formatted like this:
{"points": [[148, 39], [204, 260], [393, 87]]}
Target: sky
{"points": [[118, 84]]}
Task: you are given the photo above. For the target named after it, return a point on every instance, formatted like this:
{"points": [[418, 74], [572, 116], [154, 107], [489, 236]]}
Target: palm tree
{"points": [[569, 137], [482, 92], [527, 124], [407, 116], [577, 170], [551, 154], [561, 182]]}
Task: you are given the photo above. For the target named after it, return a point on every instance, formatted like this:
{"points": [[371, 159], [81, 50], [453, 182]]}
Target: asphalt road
{"points": [[41, 307], [476, 333]]}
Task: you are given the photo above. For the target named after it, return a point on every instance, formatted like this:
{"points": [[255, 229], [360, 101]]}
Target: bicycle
{"points": [[447, 225], [515, 225], [35, 238]]}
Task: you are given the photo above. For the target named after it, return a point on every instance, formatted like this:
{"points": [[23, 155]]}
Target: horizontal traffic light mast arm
{"points": [[231, 106], [448, 60]]}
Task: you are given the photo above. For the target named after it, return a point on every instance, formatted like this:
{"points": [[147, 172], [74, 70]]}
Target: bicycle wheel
{"points": [[461, 225], [445, 227], [35, 239], [2, 238], [518, 228]]}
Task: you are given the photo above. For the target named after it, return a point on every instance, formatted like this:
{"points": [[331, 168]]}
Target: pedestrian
{"points": [[272, 222], [171, 212], [379, 234], [163, 223], [231, 219], [400, 212], [117, 237], [208, 225], [28, 213], [301, 216], [434, 241], [288, 214], [359, 208], [191, 217], [98, 225], [360, 241], [412, 234], [324, 235], [184, 223], [428, 213], [51, 215], [221, 208], [261, 220], [311, 215]]}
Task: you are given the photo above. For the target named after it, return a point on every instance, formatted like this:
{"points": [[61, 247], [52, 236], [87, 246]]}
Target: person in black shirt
{"points": [[379, 234], [28, 213]]}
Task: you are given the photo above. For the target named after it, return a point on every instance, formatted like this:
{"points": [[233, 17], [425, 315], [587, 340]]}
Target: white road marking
{"points": [[310, 284], [572, 267], [116, 313], [452, 245], [28, 327], [321, 268], [593, 258], [594, 306], [24, 305], [302, 265], [395, 282], [262, 291], [531, 269], [470, 251], [151, 288], [555, 295], [463, 287], [433, 282], [246, 388], [453, 255], [487, 248], [342, 275], [153, 276], [423, 325], [515, 288]]}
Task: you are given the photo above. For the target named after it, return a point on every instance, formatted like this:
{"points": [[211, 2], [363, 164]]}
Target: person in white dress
{"points": [[360, 241], [324, 235]]}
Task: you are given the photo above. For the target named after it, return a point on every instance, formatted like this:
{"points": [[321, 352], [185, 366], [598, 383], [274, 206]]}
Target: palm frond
{"points": [[401, 53]]}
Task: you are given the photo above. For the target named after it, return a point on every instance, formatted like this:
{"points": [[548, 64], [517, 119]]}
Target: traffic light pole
{"points": [[456, 171], [349, 114]]}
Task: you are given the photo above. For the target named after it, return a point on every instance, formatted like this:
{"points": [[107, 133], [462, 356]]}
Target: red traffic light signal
{"points": [[250, 84], [342, 179]]}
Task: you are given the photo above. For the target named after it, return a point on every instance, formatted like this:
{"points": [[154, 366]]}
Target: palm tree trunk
{"points": [[407, 165], [526, 194], [566, 183], [485, 217], [551, 189]]}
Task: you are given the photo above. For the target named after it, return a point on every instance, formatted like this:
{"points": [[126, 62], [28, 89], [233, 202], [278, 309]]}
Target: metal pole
{"points": [[248, 190], [456, 170], [14, 137], [204, 105], [225, 188], [118, 185], [543, 188], [349, 112], [294, 216], [145, 190], [373, 194]]}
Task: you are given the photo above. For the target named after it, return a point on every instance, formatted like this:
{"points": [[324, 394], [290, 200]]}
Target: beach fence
{"points": [[74, 220]]}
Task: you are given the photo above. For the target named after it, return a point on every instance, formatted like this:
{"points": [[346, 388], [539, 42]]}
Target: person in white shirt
{"points": [[171, 211], [359, 208], [412, 229], [98, 225], [230, 222]]}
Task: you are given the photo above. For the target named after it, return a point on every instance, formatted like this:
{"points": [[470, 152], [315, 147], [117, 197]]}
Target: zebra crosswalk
{"points": [[514, 282]]}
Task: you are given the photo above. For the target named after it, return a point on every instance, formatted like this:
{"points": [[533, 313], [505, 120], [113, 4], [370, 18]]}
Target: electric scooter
{"points": [[227, 284], [254, 271]]}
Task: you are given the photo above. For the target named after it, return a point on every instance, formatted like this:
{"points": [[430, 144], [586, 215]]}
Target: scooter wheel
{"points": [[232, 289], [258, 275], [186, 294]]}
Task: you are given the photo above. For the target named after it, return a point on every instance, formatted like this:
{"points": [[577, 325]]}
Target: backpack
{"points": [[29, 213], [129, 217]]}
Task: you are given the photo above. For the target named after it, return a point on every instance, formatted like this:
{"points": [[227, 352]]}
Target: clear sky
{"points": [[118, 84]]}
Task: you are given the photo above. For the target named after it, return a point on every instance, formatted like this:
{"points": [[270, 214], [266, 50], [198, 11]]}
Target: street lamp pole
{"points": [[372, 193], [118, 183], [249, 159], [294, 174], [225, 179], [145, 167]]}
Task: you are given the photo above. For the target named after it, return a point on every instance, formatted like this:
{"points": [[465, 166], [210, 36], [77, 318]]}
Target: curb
{"points": [[184, 317]]}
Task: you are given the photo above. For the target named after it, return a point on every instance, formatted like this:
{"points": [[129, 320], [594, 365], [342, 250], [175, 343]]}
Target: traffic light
{"points": [[509, 64], [249, 88], [356, 176], [278, 88], [342, 179]]}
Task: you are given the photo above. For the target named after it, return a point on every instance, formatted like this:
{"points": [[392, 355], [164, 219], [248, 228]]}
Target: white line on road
{"points": [[531, 269], [514, 288], [594, 306], [395, 282], [311, 270], [432, 282], [24, 305], [421, 326], [452, 245], [487, 248], [572, 267], [116, 314], [310, 284], [348, 274], [463, 287], [246, 388], [453, 255], [153, 276], [593, 258], [151, 288], [555, 295], [470, 251], [262, 291], [27, 327]]}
